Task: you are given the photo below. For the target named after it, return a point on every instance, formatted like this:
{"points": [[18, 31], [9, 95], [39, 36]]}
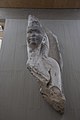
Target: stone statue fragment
{"points": [[46, 69]]}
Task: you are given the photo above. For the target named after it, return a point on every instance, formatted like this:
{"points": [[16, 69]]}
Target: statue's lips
{"points": [[33, 38]]}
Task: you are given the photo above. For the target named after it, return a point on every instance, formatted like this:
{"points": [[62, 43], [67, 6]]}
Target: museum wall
{"points": [[19, 91]]}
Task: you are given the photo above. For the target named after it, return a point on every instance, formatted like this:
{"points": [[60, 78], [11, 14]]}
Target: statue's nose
{"points": [[33, 35]]}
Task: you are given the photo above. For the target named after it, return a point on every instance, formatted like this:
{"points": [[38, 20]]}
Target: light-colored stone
{"points": [[46, 69]]}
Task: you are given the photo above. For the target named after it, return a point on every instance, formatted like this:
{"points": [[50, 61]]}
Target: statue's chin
{"points": [[34, 43]]}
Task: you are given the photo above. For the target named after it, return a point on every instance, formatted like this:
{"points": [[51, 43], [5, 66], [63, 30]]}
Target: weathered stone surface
{"points": [[43, 67]]}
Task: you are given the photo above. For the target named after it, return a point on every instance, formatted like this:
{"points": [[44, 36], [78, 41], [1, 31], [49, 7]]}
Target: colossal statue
{"points": [[46, 69]]}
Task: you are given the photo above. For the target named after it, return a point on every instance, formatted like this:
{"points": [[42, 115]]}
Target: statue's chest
{"points": [[39, 65], [42, 68]]}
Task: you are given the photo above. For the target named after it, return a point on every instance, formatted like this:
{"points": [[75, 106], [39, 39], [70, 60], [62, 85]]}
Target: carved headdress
{"points": [[33, 23]]}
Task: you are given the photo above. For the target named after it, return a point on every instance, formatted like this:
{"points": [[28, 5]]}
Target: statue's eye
{"points": [[34, 30], [37, 31]]}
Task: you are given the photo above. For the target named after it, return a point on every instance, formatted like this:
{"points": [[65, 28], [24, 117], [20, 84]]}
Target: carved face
{"points": [[34, 37]]}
